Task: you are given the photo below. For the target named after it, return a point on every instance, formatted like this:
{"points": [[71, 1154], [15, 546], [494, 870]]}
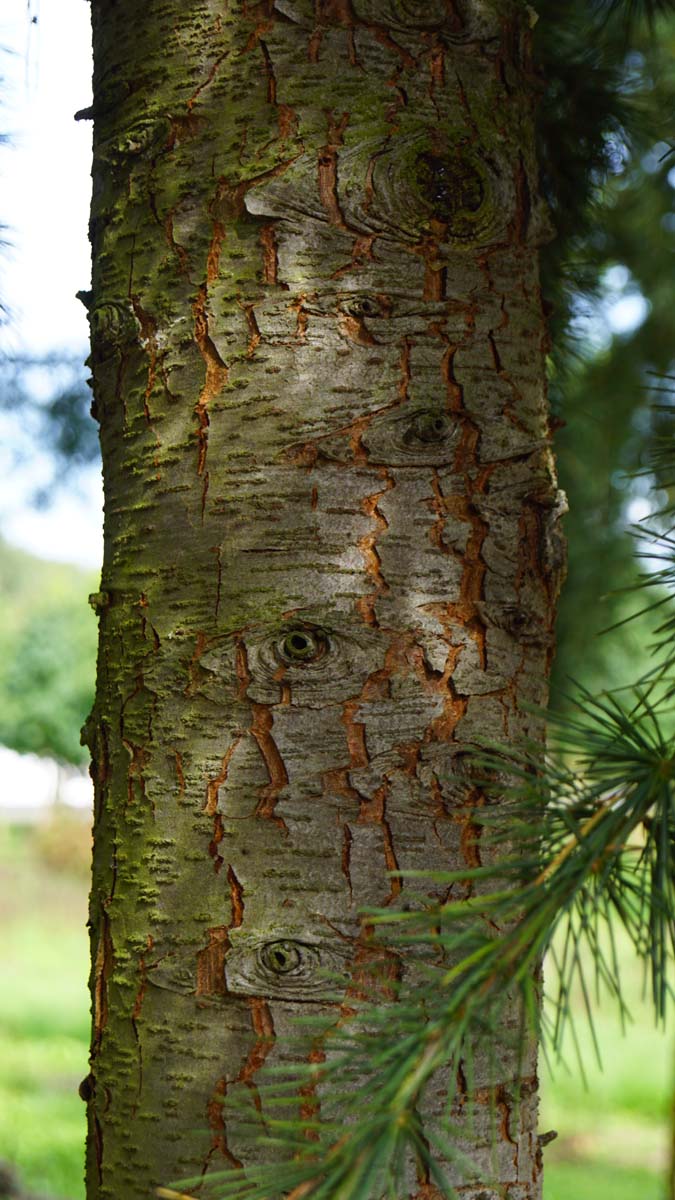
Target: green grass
{"points": [[613, 1135], [44, 1014], [614, 1127], [601, 1181]]}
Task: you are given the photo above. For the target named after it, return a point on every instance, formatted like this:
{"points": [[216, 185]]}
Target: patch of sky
{"points": [[652, 161], [638, 509], [45, 174], [619, 311], [627, 313], [624, 308], [45, 183]]}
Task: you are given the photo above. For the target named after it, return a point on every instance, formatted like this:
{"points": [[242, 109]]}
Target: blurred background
{"points": [[615, 1121]]}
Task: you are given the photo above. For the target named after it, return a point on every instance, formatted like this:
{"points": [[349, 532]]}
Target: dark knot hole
{"points": [[301, 646], [281, 957]]}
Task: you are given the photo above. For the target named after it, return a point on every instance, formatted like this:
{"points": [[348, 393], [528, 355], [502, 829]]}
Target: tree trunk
{"points": [[330, 550]]}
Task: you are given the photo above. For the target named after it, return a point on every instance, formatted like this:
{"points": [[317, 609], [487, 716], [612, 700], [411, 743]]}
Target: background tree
{"points": [[48, 646], [47, 650], [605, 131]]}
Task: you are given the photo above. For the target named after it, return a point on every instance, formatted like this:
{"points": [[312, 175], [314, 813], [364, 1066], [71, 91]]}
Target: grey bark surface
{"points": [[331, 557]]}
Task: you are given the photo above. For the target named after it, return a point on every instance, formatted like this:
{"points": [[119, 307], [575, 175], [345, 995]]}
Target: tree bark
{"points": [[331, 557]]}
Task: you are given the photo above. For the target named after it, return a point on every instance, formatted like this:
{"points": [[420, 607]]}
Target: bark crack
{"points": [[263, 1028], [261, 728], [368, 547], [214, 381], [211, 805], [192, 100], [328, 170]]}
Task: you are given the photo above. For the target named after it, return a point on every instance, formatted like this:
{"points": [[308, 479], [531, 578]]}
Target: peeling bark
{"points": [[331, 557]]}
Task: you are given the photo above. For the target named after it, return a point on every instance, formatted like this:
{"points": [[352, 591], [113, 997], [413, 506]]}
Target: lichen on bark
{"points": [[318, 359]]}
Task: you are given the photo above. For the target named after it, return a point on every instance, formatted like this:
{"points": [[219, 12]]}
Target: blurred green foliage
{"points": [[47, 655], [602, 384]]}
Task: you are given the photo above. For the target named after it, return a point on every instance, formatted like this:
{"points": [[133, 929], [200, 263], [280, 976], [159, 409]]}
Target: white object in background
{"points": [[29, 784]]}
